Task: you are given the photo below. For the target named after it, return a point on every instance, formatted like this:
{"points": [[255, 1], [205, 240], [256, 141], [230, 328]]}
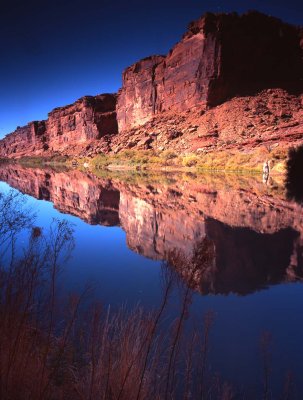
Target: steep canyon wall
{"points": [[67, 128], [220, 56]]}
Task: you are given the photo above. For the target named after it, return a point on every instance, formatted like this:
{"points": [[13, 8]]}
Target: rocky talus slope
{"points": [[272, 117], [231, 82]]}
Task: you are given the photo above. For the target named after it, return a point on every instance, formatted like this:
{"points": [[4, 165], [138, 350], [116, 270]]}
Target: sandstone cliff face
{"points": [[231, 82], [86, 120], [231, 235], [25, 140], [67, 128], [271, 118], [137, 99], [220, 56]]}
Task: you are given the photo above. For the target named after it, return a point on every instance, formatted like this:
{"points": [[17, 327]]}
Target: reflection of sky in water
{"points": [[118, 275]]}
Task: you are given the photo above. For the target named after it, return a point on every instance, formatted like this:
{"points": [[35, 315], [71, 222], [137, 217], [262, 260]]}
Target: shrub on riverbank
{"points": [[40, 160], [249, 161]]}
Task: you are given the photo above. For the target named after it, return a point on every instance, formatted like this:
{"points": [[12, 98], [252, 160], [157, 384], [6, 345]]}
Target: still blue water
{"points": [[118, 275]]}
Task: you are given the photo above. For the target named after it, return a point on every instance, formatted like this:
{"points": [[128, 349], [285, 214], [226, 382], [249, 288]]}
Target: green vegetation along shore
{"points": [[228, 160]]}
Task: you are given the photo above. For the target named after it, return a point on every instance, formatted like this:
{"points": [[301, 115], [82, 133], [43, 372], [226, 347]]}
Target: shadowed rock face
{"points": [[219, 57], [221, 236], [294, 181]]}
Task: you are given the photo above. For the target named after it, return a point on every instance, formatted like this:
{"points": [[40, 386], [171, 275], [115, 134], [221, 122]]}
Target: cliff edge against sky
{"points": [[231, 82]]}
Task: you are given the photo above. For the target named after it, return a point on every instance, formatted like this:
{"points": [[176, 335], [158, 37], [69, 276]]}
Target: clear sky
{"points": [[53, 52]]}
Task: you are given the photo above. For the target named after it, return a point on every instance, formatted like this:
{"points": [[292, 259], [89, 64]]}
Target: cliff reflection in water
{"points": [[222, 234]]}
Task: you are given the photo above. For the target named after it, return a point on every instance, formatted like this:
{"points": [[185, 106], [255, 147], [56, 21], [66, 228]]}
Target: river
{"points": [[127, 225]]}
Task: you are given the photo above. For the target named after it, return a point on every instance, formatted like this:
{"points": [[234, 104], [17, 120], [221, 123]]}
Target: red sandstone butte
{"points": [[219, 57], [232, 81]]}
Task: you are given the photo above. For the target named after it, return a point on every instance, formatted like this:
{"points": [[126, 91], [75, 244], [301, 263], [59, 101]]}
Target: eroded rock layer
{"points": [[25, 139], [231, 81], [67, 129], [220, 56], [273, 117], [88, 119]]}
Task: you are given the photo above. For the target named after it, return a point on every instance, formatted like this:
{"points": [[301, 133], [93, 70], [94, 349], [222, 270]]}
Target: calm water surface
{"points": [[127, 225]]}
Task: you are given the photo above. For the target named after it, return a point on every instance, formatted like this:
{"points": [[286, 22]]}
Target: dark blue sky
{"points": [[53, 52]]}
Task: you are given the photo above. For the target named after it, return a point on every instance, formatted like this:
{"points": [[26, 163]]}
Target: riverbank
{"points": [[229, 160], [170, 161]]}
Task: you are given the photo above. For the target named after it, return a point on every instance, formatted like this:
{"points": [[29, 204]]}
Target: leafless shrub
{"points": [[49, 350]]}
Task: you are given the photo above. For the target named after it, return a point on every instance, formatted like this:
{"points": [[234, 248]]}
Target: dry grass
{"points": [[40, 161], [224, 160], [221, 160]]}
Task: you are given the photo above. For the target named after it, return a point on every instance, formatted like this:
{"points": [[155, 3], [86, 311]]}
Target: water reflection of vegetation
{"points": [[226, 181], [217, 179], [49, 350]]}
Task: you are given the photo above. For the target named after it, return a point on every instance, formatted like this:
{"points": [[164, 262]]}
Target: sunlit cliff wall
{"points": [[75, 125], [89, 118], [31, 137], [220, 56]]}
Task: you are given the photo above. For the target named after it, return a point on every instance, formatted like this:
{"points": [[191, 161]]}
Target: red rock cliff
{"points": [[253, 64], [89, 118], [66, 129], [31, 137], [137, 99], [219, 57]]}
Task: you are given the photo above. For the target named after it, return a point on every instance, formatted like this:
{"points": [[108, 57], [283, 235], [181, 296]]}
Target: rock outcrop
{"points": [[232, 81], [220, 56], [221, 235], [272, 117], [25, 140], [88, 119], [67, 130], [137, 100]]}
